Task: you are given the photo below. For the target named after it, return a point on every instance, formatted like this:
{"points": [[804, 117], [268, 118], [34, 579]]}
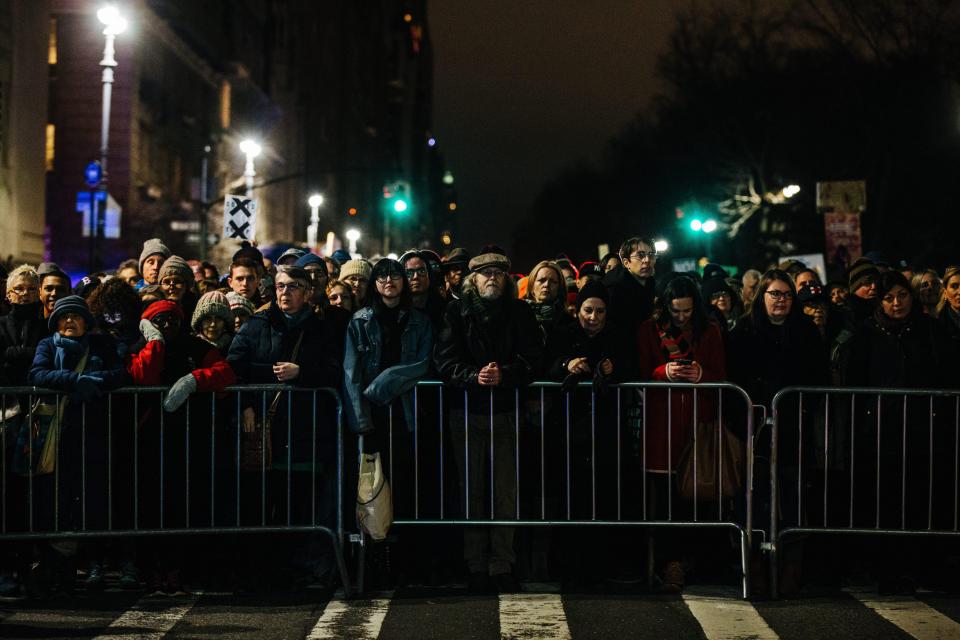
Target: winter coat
{"points": [[467, 343], [670, 414], [267, 338], [365, 379], [20, 332], [630, 305]]}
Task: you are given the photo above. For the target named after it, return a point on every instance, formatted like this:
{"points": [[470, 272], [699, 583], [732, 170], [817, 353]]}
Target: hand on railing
{"points": [[179, 393], [489, 375]]}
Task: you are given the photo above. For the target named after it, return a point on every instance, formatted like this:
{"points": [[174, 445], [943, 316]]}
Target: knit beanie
{"points": [[716, 283], [592, 289], [861, 271], [355, 267], [70, 304], [151, 247], [341, 256], [176, 266], [158, 307], [212, 303], [239, 304]]}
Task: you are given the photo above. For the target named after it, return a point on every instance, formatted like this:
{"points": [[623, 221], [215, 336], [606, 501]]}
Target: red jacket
{"points": [[709, 354], [213, 374]]}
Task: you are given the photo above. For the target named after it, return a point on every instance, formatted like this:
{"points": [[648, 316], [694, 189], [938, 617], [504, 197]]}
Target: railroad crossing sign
{"points": [[239, 217]]}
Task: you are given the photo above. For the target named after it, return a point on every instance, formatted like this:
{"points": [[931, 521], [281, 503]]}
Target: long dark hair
{"points": [[684, 287], [887, 281], [383, 266], [758, 308]]}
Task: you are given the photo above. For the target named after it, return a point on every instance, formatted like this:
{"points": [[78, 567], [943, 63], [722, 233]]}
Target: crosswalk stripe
{"points": [[723, 616], [149, 619], [532, 615], [356, 619], [917, 618]]}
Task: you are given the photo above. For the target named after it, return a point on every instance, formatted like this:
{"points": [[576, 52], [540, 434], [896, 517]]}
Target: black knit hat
{"points": [[592, 289], [70, 304], [862, 272], [716, 284]]}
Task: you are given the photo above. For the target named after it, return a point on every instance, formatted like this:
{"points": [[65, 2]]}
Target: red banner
{"points": [[843, 243]]}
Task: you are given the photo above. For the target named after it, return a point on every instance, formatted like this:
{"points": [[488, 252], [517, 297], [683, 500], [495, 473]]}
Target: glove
{"points": [[88, 387], [150, 331], [179, 393], [600, 382], [570, 382]]}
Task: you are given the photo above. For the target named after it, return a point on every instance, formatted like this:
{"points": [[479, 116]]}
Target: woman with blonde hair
{"points": [[546, 293], [948, 310]]}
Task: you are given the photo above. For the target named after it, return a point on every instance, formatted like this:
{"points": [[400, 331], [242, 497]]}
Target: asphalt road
{"points": [[710, 612]]}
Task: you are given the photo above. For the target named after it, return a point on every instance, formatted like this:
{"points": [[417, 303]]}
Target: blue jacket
{"points": [[53, 367], [365, 381]]}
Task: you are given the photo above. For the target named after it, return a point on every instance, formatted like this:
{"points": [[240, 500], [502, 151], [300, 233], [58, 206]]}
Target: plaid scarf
{"points": [[673, 342]]}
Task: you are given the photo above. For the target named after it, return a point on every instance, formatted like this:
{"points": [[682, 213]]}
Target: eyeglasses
{"points": [[641, 255], [385, 277], [173, 283], [291, 286], [22, 291], [719, 294], [354, 279], [780, 295], [492, 272], [419, 271]]}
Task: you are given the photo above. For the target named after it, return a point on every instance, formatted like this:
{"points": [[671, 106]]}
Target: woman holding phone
{"points": [[679, 344]]}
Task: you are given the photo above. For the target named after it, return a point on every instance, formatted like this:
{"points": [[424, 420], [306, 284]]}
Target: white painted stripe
{"points": [[724, 616], [355, 619], [917, 618], [532, 615], [149, 618]]}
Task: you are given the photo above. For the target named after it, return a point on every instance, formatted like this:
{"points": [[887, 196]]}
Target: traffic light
{"points": [[397, 197]]}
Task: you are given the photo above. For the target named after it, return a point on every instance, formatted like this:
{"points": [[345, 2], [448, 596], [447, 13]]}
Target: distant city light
{"points": [[791, 190], [431, 141], [352, 235], [661, 246], [352, 211], [250, 148], [315, 200], [447, 177], [709, 226], [452, 206]]}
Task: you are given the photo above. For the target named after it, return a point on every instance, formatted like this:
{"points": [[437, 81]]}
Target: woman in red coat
{"points": [[679, 344]]}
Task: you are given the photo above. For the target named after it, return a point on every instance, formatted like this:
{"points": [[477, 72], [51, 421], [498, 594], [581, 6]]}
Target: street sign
{"points": [[111, 222], [93, 174], [239, 217]]}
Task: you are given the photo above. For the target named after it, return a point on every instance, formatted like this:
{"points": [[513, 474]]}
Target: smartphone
{"points": [[684, 361]]}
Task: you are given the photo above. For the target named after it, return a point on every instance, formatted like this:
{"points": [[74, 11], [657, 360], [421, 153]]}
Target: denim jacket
{"points": [[364, 382]]}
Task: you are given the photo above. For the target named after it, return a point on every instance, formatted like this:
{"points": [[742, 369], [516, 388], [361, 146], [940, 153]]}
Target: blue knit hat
{"points": [[70, 304]]}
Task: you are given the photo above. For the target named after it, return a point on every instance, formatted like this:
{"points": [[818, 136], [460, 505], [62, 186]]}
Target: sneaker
{"points": [[129, 576], [506, 583], [94, 579], [9, 586], [174, 583]]}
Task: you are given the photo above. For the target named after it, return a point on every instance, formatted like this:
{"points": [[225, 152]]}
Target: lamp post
{"points": [[314, 201], [113, 24], [353, 235], [251, 149]]}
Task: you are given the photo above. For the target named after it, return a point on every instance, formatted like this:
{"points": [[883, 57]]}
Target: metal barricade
{"points": [[547, 456], [126, 468], [866, 461]]}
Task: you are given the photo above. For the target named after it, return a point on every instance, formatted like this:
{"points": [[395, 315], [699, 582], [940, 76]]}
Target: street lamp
{"points": [[353, 235], [661, 246], [113, 24], [251, 149], [709, 226], [314, 201]]}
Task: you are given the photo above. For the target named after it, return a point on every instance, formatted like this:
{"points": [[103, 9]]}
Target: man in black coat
{"points": [[490, 344], [631, 291]]}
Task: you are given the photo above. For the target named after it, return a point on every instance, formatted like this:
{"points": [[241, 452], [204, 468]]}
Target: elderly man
{"points": [[489, 344]]}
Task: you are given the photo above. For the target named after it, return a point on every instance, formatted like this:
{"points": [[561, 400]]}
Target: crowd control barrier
{"points": [[863, 461], [124, 467], [620, 456]]}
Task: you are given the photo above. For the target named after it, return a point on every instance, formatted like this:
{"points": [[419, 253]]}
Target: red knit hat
{"points": [[162, 306]]}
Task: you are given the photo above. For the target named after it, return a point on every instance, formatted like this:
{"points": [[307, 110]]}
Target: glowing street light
{"points": [[314, 201], [251, 149], [709, 226], [791, 190], [661, 246], [353, 235]]}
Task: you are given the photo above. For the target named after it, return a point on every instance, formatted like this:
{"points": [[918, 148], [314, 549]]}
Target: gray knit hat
{"points": [[212, 303], [355, 267], [70, 304], [154, 246], [176, 266], [239, 304]]}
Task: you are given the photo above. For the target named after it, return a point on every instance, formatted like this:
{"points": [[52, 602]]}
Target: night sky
{"points": [[524, 89]]}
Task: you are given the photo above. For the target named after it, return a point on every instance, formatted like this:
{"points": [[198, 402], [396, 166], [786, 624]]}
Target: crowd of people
{"points": [[371, 330]]}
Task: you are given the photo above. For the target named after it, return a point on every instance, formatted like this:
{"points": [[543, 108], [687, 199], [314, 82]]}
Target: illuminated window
{"points": [[52, 42], [225, 105], [50, 146]]}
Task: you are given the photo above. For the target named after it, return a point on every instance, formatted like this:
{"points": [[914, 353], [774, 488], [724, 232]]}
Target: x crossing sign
{"points": [[239, 217]]}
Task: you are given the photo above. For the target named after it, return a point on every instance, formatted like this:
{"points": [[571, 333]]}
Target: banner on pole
{"points": [[239, 217], [843, 241]]}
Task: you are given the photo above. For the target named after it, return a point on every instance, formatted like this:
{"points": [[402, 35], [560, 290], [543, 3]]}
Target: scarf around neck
{"points": [[69, 350], [673, 342]]}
